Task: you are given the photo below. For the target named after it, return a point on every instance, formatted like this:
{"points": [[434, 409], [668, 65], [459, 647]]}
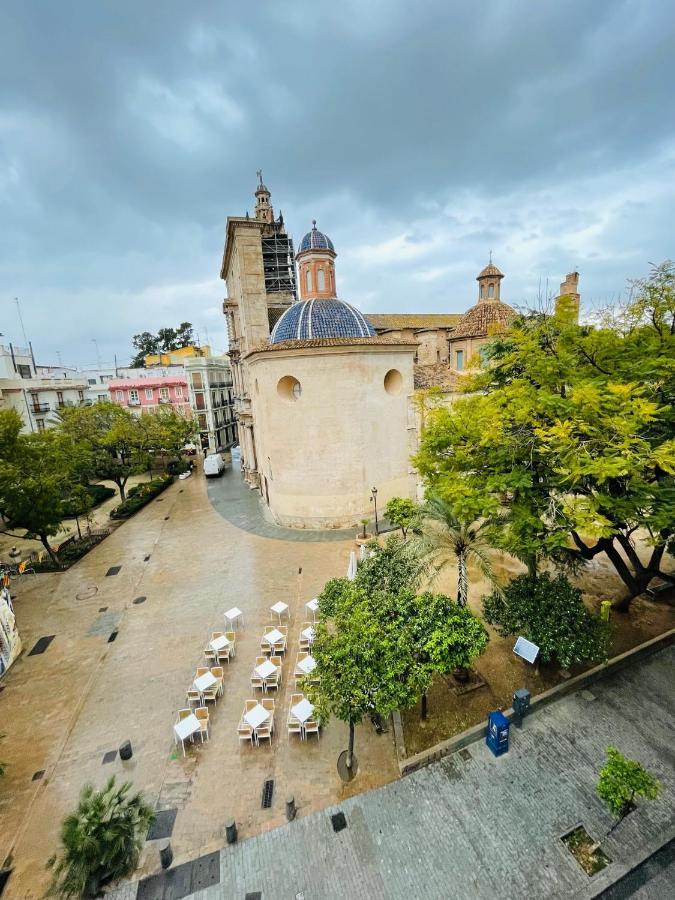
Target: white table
{"points": [[256, 716], [312, 606], [308, 664], [204, 682], [309, 634], [279, 608], [302, 710], [219, 643], [185, 728], [266, 669], [233, 614], [274, 636]]}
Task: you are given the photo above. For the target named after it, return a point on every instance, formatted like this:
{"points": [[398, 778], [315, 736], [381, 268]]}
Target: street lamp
{"points": [[373, 498]]}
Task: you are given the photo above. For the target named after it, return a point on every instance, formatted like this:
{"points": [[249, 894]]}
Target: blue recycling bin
{"points": [[498, 733]]}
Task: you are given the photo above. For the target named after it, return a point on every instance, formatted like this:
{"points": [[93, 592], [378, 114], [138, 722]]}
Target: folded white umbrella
{"points": [[351, 569], [362, 552]]}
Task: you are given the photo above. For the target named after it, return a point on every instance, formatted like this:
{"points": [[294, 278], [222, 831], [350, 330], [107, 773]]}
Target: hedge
{"points": [[139, 495], [97, 492]]}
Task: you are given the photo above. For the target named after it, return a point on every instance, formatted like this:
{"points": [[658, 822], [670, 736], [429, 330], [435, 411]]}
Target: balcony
{"points": [[164, 400], [134, 402], [38, 408]]}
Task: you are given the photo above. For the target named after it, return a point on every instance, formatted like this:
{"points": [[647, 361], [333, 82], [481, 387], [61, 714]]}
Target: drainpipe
{"points": [[11, 350], [32, 356]]}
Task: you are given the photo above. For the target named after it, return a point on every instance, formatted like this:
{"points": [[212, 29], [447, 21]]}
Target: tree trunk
{"points": [[532, 567], [77, 522], [462, 580], [45, 544], [120, 487], [423, 714], [350, 751]]}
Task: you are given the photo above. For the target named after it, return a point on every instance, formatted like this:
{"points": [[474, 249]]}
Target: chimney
{"points": [[568, 300]]}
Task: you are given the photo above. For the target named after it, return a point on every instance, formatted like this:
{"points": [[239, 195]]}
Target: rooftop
{"points": [[485, 318], [398, 321], [438, 375], [332, 342]]}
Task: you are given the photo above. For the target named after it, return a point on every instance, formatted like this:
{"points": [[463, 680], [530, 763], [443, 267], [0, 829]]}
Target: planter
{"points": [[585, 850]]}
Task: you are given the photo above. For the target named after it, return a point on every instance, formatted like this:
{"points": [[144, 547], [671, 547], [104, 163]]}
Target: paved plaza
{"points": [[473, 826], [118, 670]]}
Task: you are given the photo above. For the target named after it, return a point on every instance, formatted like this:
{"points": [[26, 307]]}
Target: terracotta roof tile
{"points": [[396, 321], [331, 342], [437, 375], [484, 319]]}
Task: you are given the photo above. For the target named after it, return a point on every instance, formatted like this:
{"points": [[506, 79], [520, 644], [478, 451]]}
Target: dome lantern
{"points": [[316, 264]]}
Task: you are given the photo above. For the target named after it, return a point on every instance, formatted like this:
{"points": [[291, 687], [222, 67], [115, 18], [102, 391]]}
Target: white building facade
{"points": [[212, 400]]}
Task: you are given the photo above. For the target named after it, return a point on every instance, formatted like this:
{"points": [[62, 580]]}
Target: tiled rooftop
{"points": [[484, 318], [396, 321]]}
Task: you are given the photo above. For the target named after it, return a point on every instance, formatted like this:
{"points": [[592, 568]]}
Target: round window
{"points": [[393, 381], [289, 388]]}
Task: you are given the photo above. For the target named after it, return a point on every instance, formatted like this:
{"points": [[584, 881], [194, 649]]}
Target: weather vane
{"points": [[259, 174]]}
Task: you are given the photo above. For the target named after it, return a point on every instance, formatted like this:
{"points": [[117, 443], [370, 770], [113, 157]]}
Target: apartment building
{"points": [[212, 401], [150, 392]]}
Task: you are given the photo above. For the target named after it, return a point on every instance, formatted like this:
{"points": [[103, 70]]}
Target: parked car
{"points": [[214, 466]]}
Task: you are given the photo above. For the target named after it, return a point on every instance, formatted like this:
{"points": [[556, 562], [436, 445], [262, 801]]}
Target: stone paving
{"points": [[473, 826], [62, 711]]}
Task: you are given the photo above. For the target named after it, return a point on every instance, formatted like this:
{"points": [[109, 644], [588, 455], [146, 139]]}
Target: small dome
{"points": [[309, 319], [484, 319], [316, 240], [490, 271]]}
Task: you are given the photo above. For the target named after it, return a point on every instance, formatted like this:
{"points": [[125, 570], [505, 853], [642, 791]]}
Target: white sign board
{"points": [[526, 649]]}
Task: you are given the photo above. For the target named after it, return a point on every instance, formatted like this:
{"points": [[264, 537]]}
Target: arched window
{"points": [[321, 278], [491, 291], [482, 292], [308, 279]]}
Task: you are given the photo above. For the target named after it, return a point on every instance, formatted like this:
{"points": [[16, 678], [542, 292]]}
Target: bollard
{"points": [[605, 607], [231, 831], [290, 807], [125, 750], [166, 855]]}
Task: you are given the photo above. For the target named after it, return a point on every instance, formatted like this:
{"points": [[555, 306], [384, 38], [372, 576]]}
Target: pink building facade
{"points": [[139, 394]]}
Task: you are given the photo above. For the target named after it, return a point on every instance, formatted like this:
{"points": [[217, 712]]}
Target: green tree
{"points": [[566, 441], [363, 667], [36, 475], [551, 613], [100, 841], [402, 512], [166, 431], [113, 438], [393, 567], [166, 339], [622, 780], [446, 538]]}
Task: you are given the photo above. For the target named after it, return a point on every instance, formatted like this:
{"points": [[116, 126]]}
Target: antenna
{"points": [[18, 309], [98, 354]]}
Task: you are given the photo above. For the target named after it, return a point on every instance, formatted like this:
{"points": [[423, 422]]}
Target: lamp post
{"points": [[373, 497]]}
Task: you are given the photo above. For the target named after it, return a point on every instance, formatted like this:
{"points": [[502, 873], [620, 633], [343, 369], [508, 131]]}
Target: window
{"points": [[163, 393], [482, 292], [179, 390], [308, 279], [289, 388], [102, 397], [201, 419], [40, 424], [199, 401], [459, 356], [197, 380], [91, 381], [491, 291], [24, 371], [119, 395], [80, 395], [148, 393], [59, 398], [321, 280], [133, 396]]}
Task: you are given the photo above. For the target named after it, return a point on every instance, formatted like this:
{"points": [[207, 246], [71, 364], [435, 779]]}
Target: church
{"points": [[325, 395]]}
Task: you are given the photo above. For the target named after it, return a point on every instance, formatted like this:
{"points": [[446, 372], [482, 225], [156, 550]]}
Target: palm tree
{"points": [[445, 538], [101, 840]]}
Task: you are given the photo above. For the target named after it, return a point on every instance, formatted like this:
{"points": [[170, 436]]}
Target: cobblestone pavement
{"points": [[473, 826], [63, 710]]}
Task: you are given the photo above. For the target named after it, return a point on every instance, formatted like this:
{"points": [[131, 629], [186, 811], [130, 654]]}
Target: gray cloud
{"points": [[419, 136]]}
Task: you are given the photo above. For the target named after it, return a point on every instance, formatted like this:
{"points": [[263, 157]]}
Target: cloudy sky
{"points": [[420, 136]]}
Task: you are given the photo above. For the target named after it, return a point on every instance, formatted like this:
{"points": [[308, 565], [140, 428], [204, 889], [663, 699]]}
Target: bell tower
{"points": [[489, 283]]}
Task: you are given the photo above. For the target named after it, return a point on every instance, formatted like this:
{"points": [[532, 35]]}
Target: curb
{"points": [[478, 732], [619, 870]]}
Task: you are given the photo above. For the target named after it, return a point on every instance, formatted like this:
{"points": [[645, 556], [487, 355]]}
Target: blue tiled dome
{"points": [[316, 240], [311, 319]]}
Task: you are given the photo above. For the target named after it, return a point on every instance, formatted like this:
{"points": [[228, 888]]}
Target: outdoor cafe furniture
{"points": [[255, 717], [186, 726], [307, 636], [232, 638], [273, 640], [302, 711], [278, 609], [221, 646], [193, 696], [244, 731], [233, 615], [313, 606], [202, 715], [265, 671], [304, 666], [207, 685], [218, 673]]}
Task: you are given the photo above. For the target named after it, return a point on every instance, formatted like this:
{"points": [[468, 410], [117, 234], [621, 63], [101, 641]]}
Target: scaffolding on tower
{"points": [[278, 263]]}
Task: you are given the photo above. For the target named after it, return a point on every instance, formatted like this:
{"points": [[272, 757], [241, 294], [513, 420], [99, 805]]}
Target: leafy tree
{"points": [[100, 841], [36, 474], [446, 538], [402, 512], [166, 339], [551, 613], [393, 567], [621, 780], [114, 439], [363, 666], [566, 441], [166, 431]]}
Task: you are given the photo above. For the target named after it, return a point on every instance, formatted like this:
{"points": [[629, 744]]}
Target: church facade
{"points": [[324, 395]]}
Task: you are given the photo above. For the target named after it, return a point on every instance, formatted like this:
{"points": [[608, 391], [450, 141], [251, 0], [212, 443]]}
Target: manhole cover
{"points": [[139, 600], [42, 645], [87, 593], [338, 821], [113, 570], [37, 776], [347, 774], [113, 637], [465, 755], [108, 757], [267, 792], [162, 825]]}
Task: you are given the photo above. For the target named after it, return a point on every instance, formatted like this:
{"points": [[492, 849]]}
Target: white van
{"points": [[214, 466]]}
